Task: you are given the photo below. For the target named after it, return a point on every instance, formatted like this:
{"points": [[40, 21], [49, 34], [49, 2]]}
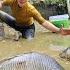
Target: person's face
{"points": [[21, 2]]}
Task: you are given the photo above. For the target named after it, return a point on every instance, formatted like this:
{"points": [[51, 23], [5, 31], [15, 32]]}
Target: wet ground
{"points": [[43, 42]]}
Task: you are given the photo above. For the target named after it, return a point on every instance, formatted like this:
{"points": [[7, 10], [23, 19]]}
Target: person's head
{"points": [[21, 2]]}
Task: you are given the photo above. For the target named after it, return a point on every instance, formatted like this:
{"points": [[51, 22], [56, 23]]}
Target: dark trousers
{"points": [[27, 31]]}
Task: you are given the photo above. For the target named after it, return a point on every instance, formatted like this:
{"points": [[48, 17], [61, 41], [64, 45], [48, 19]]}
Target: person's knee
{"points": [[28, 34], [2, 15]]}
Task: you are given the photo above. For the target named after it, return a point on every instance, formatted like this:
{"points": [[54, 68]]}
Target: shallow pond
{"points": [[43, 42]]}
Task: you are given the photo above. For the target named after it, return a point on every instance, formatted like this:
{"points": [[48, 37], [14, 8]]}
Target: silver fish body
{"points": [[31, 61]]}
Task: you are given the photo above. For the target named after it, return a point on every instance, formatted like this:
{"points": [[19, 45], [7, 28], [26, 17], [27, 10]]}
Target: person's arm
{"points": [[1, 4], [5, 2], [50, 26], [45, 23]]}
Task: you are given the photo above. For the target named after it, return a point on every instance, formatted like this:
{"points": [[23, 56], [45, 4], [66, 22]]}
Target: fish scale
{"points": [[31, 61]]}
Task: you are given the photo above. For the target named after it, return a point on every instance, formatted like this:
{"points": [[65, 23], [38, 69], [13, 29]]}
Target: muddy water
{"points": [[44, 42]]}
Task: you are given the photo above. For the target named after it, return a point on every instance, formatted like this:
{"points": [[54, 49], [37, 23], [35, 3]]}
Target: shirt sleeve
{"points": [[37, 16], [7, 2]]}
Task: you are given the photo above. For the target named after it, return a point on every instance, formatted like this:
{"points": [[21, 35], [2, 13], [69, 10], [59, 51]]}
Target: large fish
{"points": [[30, 61]]}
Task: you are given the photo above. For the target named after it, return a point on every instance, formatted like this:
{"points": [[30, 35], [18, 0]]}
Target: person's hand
{"points": [[1, 2], [64, 31]]}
